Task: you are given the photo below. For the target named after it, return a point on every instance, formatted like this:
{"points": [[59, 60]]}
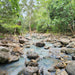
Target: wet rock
{"points": [[59, 57], [52, 69], [59, 72], [17, 50], [31, 70], [70, 68], [46, 47], [48, 40], [60, 65], [32, 55], [22, 72], [71, 45], [31, 63], [63, 50], [21, 45], [73, 57], [13, 58], [22, 41], [28, 38], [4, 41], [45, 72], [3, 72], [68, 51], [27, 46], [5, 55], [40, 44], [65, 41], [58, 44], [73, 36]]}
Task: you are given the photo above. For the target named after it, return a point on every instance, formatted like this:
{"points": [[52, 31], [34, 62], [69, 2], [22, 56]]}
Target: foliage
{"points": [[10, 29], [40, 15], [61, 14], [9, 14]]}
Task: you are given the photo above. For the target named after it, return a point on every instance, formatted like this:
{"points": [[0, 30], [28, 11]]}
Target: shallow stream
{"points": [[47, 61]]}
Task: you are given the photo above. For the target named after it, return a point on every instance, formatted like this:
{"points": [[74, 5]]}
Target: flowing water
{"points": [[47, 61]]}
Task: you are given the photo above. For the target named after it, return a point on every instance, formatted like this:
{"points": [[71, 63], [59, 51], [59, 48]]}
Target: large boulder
{"points": [[71, 45], [70, 68], [5, 55], [40, 44]]}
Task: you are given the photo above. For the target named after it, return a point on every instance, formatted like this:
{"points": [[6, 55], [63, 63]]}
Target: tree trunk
{"points": [[71, 29], [30, 29]]}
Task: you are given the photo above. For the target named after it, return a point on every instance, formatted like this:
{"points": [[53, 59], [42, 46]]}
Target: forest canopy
{"points": [[39, 15]]}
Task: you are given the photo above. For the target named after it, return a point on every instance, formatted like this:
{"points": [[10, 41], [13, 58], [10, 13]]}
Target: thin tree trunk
{"points": [[30, 28], [71, 29]]}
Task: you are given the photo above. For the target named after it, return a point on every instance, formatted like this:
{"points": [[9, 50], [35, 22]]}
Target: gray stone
{"points": [[70, 68], [71, 45], [32, 55], [59, 72], [40, 44]]}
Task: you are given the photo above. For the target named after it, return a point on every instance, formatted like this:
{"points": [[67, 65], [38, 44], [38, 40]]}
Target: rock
{"points": [[71, 45], [22, 41], [17, 50], [65, 41], [73, 57], [3, 72], [45, 72], [46, 47], [60, 65], [73, 36], [59, 57], [52, 69], [21, 45], [28, 38], [5, 55], [68, 51], [59, 72], [4, 41], [22, 72], [27, 46], [31, 63], [58, 44], [40, 44], [13, 58], [63, 50], [31, 70], [70, 68], [48, 40], [32, 55]]}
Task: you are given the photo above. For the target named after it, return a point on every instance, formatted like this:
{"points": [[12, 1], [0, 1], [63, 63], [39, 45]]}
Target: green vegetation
{"points": [[41, 15]]}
